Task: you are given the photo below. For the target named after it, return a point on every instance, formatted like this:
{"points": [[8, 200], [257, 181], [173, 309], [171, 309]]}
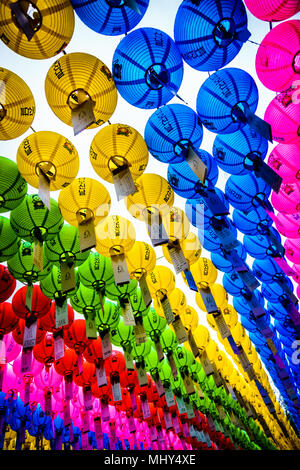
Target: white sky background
{"points": [[160, 15]]}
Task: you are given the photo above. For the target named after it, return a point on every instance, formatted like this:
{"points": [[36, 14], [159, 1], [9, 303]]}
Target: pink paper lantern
{"points": [[12, 349], [283, 115], [292, 250], [36, 368], [285, 160], [273, 10], [278, 57], [288, 225], [48, 379], [287, 200]]}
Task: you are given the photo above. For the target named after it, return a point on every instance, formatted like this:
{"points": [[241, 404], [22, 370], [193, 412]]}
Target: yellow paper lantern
{"points": [[84, 198], [203, 272], [201, 337], [176, 224], [115, 235], [76, 78], [115, 146], [50, 152], [191, 248], [177, 301], [17, 106], [230, 315], [161, 281], [52, 22], [141, 259], [219, 293], [189, 318]]}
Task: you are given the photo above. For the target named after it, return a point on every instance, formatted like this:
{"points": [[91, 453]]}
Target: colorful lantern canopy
{"points": [[278, 59], [37, 31], [147, 68], [119, 155], [210, 36], [113, 17], [81, 82]]}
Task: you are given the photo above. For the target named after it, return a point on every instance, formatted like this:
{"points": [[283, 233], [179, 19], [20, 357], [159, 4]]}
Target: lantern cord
{"points": [[64, 52], [32, 129], [253, 42]]}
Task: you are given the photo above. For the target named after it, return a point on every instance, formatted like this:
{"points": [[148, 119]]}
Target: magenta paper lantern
{"points": [[285, 160], [278, 57], [283, 115], [288, 225], [287, 200], [273, 10], [292, 250]]}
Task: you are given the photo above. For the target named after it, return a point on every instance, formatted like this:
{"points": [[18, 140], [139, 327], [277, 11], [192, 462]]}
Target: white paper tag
{"points": [[206, 364], [159, 351], [44, 189], [59, 345], [88, 399], [179, 330], [159, 386], [87, 236], [188, 384], [193, 344], [168, 313], [190, 411], [101, 375], [105, 411], [61, 314], [142, 375], [168, 420], [48, 403], [172, 365], [169, 397], [133, 401], [180, 405], [178, 259], [38, 255], [176, 425], [67, 413], [119, 265], [185, 429], [131, 424], [27, 393], [196, 164], [128, 360], [90, 326], [68, 388], [248, 279], [2, 353], [156, 229], [84, 440], [208, 300], [68, 282], [145, 408], [192, 431], [153, 433], [139, 332], [79, 358], [123, 182], [145, 291], [106, 344], [29, 338], [83, 116], [98, 433], [222, 326], [116, 389]]}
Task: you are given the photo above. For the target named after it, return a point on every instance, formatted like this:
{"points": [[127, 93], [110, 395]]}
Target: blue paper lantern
{"points": [[199, 214], [260, 246], [243, 307], [272, 290], [267, 270], [109, 17], [170, 130], [233, 284], [246, 192], [210, 241], [225, 265], [210, 34], [236, 153], [184, 181], [253, 222], [147, 68], [223, 96]]}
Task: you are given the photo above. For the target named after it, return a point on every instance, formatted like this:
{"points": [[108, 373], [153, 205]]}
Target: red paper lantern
{"points": [[87, 376], [8, 319], [75, 336], [48, 321], [18, 332], [67, 364], [93, 352], [7, 283], [44, 351], [40, 303]]}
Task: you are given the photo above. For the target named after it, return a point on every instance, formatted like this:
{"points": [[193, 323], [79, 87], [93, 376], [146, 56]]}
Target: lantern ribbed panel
{"points": [[240, 191], [283, 115], [273, 10], [284, 159]]}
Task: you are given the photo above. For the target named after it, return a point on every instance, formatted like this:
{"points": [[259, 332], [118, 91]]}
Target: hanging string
{"points": [[32, 129]]}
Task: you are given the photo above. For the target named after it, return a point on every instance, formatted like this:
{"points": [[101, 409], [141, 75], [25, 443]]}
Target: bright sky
{"points": [[161, 15]]}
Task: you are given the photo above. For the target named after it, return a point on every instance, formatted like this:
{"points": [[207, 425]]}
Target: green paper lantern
{"points": [[22, 268], [65, 247], [96, 272], [85, 300], [9, 241], [141, 351], [154, 324], [119, 293], [32, 220], [13, 187], [168, 341], [51, 285], [109, 317], [152, 362], [122, 335], [138, 305]]}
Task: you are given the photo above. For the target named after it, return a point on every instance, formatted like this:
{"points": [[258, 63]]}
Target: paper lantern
{"points": [[40, 304], [119, 154], [277, 58], [222, 95], [273, 10], [224, 265], [51, 154], [171, 130], [48, 322], [111, 18], [185, 182], [77, 81], [260, 246], [17, 105], [283, 158], [198, 212], [204, 272], [122, 292], [109, 317], [257, 220], [288, 224], [52, 288], [37, 32], [7, 283], [292, 250], [22, 267], [238, 152], [18, 332], [8, 318], [9, 241], [210, 36], [141, 259], [219, 294], [13, 187], [96, 272], [83, 204], [190, 246], [283, 115], [287, 200], [246, 192], [147, 68]]}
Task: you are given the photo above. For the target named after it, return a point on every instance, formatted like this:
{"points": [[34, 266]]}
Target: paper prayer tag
{"points": [[86, 234], [38, 259], [119, 265], [83, 116], [123, 182], [68, 282]]}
